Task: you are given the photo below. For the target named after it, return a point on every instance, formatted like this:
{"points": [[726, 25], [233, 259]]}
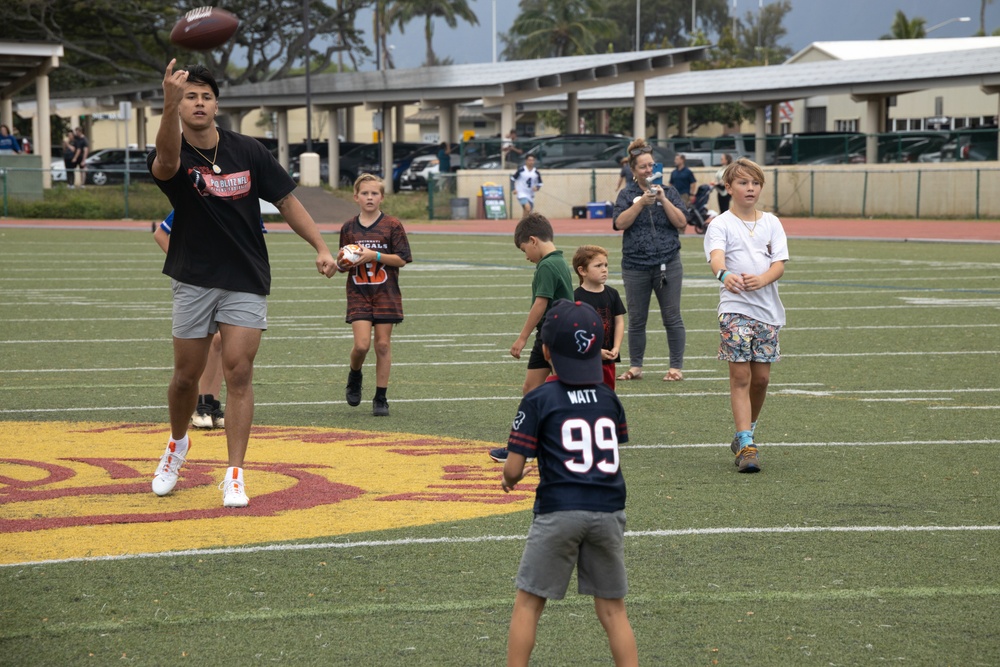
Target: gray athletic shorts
{"points": [[591, 541], [199, 310]]}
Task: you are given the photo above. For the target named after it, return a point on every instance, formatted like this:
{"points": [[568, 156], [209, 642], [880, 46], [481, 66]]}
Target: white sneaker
{"points": [[233, 492], [165, 477]]}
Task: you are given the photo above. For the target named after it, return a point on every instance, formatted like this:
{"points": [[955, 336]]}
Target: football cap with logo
{"points": [[574, 334]]}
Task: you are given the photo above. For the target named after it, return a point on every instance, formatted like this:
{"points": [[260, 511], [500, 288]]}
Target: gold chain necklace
{"points": [[216, 168], [748, 226]]}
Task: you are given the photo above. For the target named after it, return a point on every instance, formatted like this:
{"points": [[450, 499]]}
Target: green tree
{"points": [[904, 28], [557, 28], [117, 42], [757, 36], [402, 12], [663, 23]]}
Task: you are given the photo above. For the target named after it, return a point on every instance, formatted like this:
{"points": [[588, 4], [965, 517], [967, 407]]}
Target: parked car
{"points": [[807, 147], [553, 152], [361, 159], [485, 153], [907, 147], [611, 158], [109, 166], [896, 147], [58, 170], [422, 169], [976, 145]]}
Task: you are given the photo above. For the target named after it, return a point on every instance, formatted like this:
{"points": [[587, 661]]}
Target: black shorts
{"points": [[537, 358]]}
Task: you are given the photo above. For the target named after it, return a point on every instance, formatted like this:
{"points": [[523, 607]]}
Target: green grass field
{"points": [[872, 536]]}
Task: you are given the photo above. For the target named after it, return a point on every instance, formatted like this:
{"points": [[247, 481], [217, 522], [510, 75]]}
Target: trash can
{"points": [[460, 209]]}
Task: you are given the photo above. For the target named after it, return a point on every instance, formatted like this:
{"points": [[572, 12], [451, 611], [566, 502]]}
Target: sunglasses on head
{"points": [[640, 151]]}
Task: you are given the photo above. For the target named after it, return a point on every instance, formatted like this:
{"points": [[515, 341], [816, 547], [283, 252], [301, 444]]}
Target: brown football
{"points": [[204, 28]]}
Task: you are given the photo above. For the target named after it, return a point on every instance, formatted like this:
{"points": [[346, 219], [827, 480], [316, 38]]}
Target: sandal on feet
{"points": [[673, 375], [629, 375]]}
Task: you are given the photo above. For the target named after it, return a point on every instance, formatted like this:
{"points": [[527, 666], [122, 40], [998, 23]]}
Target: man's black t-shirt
{"points": [[216, 239]]}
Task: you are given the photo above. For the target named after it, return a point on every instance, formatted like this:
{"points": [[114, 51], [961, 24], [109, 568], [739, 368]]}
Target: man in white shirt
{"points": [[526, 181], [510, 150]]}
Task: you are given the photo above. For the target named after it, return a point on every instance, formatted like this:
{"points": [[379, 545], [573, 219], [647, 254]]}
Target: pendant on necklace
{"points": [[218, 170], [751, 232]]}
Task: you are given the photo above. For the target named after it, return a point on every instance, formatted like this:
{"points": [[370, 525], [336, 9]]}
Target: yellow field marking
{"points": [[72, 489]]}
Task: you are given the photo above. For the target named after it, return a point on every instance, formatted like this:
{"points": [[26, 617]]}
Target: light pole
{"points": [[959, 19], [638, 3]]}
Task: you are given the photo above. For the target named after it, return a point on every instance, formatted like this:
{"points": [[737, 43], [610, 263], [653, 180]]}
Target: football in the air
{"points": [[349, 255], [204, 28]]}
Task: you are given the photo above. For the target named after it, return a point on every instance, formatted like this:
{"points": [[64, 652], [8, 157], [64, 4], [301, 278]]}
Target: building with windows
{"points": [[944, 108]]}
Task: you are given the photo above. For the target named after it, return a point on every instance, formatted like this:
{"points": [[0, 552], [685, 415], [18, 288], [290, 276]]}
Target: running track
{"points": [[816, 228]]}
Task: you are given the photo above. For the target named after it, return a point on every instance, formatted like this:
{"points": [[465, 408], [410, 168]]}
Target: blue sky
{"points": [[809, 21]]}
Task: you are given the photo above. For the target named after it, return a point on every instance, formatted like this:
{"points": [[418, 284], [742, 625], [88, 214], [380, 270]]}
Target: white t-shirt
{"points": [[749, 254], [525, 181]]}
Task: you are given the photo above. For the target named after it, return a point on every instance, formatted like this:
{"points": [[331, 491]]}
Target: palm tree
{"points": [[556, 28], [402, 12], [904, 28]]}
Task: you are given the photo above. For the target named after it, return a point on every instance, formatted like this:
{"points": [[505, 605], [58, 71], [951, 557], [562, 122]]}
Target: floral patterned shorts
{"points": [[746, 339]]}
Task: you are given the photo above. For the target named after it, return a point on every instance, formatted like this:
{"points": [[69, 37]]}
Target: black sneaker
{"points": [[218, 415], [354, 388], [500, 455], [202, 417], [380, 406]]}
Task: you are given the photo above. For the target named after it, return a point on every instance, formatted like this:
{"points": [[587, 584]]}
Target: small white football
{"points": [[350, 255]]}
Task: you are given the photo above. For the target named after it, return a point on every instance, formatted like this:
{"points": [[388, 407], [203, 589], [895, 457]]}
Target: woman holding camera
{"points": [[651, 218]]}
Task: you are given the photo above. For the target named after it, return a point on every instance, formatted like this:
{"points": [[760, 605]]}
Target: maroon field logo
{"points": [[83, 489]]}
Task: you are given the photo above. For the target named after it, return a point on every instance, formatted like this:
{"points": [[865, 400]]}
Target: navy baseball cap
{"points": [[574, 334]]}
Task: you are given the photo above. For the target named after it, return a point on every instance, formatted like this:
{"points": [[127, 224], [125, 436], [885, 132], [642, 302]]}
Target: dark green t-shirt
{"points": [[552, 280]]}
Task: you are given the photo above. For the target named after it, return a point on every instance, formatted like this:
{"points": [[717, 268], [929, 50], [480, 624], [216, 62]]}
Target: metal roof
{"points": [[884, 48], [507, 81], [755, 86], [22, 62]]}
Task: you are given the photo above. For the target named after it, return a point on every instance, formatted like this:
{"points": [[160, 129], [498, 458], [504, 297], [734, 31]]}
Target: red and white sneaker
{"points": [[233, 492], [165, 477]]}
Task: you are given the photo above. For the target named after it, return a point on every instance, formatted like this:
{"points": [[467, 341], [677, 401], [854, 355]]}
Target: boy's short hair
{"points": [[533, 224], [744, 166], [583, 256], [201, 74], [364, 178]]}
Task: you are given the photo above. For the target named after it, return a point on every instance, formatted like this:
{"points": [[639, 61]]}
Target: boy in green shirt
{"points": [[552, 281]]}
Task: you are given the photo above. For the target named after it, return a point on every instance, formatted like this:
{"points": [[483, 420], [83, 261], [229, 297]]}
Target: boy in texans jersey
{"points": [[572, 425]]}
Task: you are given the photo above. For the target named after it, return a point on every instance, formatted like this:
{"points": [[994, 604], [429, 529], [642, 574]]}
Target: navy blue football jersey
{"points": [[573, 433]]}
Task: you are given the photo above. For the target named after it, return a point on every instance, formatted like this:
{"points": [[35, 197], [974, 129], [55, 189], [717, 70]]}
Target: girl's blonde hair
{"points": [[364, 178]]}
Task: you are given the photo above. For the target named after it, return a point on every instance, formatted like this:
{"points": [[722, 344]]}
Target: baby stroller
{"points": [[697, 214]]}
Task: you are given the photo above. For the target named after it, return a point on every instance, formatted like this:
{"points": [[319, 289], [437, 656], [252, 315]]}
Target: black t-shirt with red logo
{"points": [[217, 239]]}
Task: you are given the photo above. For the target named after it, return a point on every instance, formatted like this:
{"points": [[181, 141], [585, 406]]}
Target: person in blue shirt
{"points": [[683, 179], [9, 144], [572, 426]]}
